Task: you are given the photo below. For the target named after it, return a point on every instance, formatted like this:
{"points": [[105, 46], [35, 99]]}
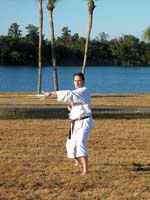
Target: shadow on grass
{"points": [[121, 115], [109, 96], [33, 114], [140, 167], [62, 113]]}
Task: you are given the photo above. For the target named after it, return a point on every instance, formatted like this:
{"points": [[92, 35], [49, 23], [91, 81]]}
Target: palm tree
{"points": [[50, 7], [91, 6], [40, 47]]}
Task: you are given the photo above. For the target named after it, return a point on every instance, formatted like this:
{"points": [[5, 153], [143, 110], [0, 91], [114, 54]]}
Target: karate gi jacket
{"points": [[79, 99]]}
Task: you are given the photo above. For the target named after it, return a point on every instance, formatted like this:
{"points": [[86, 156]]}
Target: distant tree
{"points": [[50, 8], [32, 33], [65, 39], [124, 50], [16, 58], [66, 34], [4, 49], [14, 31], [32, 39], [146, 35], [102, 37], [99, 53], [91, 6]]}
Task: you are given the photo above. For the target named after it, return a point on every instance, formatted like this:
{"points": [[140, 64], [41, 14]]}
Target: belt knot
{"points": [[72, 123]]}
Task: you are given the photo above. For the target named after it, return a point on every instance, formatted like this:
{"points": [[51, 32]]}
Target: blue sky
{"points": [[114, 17]]}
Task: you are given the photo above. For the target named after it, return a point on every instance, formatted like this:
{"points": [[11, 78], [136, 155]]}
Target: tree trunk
{"points": [[40, 48], [91, 7], [53, 51], [87, 43]]}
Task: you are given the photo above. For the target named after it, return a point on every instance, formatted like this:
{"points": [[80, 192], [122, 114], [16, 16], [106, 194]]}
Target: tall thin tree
{"points": [[91, 6], [40, 47], [50, 7]]}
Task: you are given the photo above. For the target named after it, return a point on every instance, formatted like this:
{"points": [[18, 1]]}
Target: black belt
{"points": [[72, 123]]}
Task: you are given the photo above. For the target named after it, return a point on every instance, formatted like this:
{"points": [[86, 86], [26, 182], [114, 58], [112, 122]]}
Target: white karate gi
{"points": [[80, 101]]}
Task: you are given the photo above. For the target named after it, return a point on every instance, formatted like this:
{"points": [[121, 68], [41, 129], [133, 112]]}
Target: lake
{"points": [[98, 79]]}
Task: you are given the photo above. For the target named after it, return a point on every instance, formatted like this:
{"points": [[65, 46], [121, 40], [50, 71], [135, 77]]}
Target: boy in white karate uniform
{"points": [[81, 120]]}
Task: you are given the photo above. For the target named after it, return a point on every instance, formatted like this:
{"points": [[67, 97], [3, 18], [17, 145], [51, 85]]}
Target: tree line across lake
{"points": [[16, 49]]}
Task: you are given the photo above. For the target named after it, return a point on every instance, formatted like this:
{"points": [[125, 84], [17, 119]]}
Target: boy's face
{"points": [[78, 82]]}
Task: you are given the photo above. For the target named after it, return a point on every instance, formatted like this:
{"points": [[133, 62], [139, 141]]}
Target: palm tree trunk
{"points": [[91, 7], [87, 43], [53, 52], [40, 48]]}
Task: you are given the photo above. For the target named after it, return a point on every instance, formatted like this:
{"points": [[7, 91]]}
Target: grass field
{"points": [[34, 166]]}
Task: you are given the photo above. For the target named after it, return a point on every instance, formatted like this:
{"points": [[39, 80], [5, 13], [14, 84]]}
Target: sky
{"points": [[114, 17]]}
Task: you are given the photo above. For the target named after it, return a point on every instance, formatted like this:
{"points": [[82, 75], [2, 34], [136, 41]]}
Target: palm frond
{"points": [[53, 1]]}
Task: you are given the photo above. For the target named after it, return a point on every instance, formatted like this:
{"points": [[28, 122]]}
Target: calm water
{"points": [[98, 79]]}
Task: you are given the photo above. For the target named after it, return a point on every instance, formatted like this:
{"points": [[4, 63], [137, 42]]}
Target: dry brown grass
{"points": [[34, 165], [129, 100]]}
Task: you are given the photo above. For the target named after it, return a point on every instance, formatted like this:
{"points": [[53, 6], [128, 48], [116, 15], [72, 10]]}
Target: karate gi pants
{"points": [[76, 145]]}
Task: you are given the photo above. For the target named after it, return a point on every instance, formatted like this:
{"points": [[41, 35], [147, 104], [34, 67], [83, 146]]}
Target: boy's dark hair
{"points": [[80, 74]]}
